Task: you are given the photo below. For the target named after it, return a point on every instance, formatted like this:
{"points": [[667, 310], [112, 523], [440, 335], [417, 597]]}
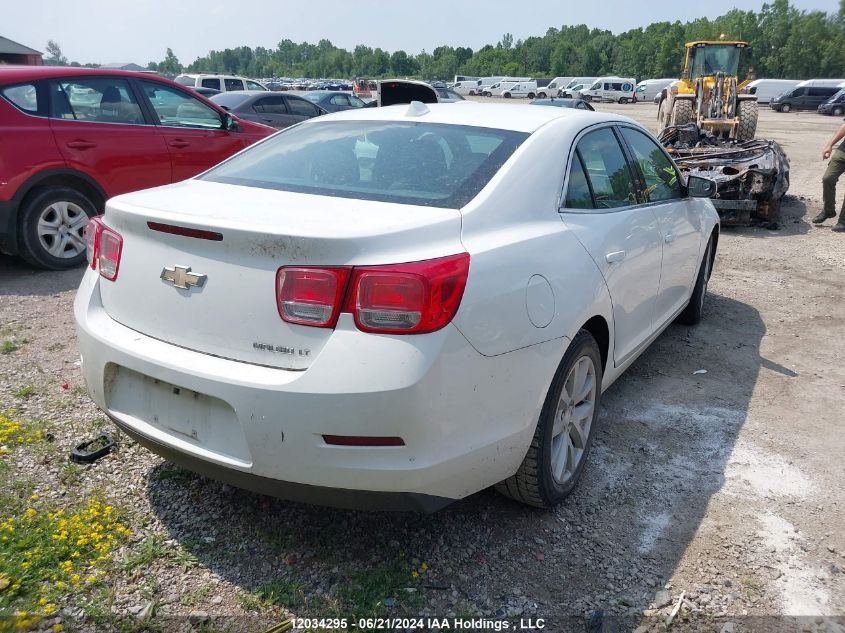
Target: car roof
{"points": [[24, 73], [519, 118]]}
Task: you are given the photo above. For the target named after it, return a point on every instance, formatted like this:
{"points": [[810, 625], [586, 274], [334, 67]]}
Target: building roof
{"points": [[124, 66], [9, 47]]}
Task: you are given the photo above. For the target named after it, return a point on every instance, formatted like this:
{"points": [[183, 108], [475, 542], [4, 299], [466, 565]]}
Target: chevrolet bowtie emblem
{"points": [[182, 277]]}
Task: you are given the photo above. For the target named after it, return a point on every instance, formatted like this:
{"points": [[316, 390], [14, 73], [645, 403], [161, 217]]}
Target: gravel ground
{"points": [[724, 486]]}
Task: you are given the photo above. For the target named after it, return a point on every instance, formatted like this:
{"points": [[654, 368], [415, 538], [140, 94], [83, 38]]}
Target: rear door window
{"points": [[211, 82], [578, 194], [302, 107], [22, 96], [99, 99], [607, 170], [233, 84], [270, 105]]}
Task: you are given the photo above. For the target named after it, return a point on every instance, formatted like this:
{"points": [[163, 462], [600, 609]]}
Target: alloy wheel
{"points": [[573, 419], [60, 229]]}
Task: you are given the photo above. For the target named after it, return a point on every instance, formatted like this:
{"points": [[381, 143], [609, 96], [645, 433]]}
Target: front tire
{"points": [[682, 112], [747, 114], [507, 95], [541, 95], [785, 107], [51, 228], [695, 308], [561, 443], [837, 111]]}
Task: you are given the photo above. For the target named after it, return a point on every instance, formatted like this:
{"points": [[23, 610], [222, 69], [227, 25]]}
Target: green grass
{"points": [[149, 550], [71, 474], [25, 392], [7, 347], [282, 593], [364, 592]]}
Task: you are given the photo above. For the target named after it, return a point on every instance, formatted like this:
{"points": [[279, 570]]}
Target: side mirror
{"points": [[230, 124], [699, 187]]}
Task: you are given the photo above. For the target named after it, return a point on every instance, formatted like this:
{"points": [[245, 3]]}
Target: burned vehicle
{"points": [[751, 176]]}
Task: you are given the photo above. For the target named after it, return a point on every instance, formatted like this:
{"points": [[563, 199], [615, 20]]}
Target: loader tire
{"points": [[747, 128], [682, 112]]}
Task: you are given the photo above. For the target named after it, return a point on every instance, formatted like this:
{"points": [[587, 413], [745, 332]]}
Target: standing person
{"points": [[835, 168]]}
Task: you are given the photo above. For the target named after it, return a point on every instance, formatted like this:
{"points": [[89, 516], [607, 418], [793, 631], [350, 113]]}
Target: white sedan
{"points": [[394, 307]]}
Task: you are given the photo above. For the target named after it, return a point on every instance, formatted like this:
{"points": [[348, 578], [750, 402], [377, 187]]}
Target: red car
{"points": [[74, 137]]}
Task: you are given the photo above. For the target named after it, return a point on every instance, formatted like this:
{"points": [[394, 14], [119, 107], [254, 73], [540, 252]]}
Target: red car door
{"points": [[192, 130], [101, 130]]}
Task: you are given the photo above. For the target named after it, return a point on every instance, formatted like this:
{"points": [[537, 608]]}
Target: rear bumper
{"points": [[319, 495], [466, 419]]}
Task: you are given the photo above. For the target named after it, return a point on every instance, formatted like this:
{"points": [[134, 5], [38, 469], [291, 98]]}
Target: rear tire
{"points": [[561, 443], [785, 107], [695, 308], [51, 226], [682, 112], [531, 95], [623, 100], [747, 112]]}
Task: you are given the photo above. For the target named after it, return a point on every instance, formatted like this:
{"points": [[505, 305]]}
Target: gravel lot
{"points": [[725, 485]]}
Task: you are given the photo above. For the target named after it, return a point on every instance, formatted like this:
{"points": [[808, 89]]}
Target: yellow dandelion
{"points": [[34, 498], [424, 567], [414, 575]]}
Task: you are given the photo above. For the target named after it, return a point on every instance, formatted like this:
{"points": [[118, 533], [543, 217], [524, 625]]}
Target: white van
{"points": [[618, 89], [574, 91], [223, 83], [587, 81], [521, 89], [554, 88], [768, 89], [647, 89], [506, 82], [468, 87]]}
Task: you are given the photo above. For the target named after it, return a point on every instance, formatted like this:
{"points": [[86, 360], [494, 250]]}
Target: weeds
{"points": [[25, 392], [7, 347]]}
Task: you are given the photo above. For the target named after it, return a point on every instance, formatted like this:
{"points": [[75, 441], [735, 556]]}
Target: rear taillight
{"points": [[311, 296], [103, 247], [413, 298]]}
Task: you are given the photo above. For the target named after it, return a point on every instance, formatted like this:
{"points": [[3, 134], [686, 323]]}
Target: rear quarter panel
{"points": [[514, 233], [28, 147]]}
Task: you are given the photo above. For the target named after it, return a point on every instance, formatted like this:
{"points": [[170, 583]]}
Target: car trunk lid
{"points": [[228, 305]]}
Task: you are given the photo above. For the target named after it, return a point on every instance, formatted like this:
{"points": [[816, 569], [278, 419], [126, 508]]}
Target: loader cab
{"points": [[705, 59]]}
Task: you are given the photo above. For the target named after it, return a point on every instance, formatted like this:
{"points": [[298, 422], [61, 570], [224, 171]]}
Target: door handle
{"points": [[267, 120], [81, 144], [178, 143], [615, 256], [669, 238]]}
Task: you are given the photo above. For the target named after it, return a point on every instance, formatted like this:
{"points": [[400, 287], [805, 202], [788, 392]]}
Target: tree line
{"points": [[786, 43]]}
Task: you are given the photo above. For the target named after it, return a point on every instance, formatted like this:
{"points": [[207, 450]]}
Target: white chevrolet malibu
{"points": [[394, 307]]}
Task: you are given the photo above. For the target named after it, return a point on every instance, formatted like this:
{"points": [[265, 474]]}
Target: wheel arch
{"points": [[597, 326], [71, 178]]}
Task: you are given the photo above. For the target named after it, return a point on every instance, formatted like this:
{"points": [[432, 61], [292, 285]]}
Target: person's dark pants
{"points": [[835, 168]]}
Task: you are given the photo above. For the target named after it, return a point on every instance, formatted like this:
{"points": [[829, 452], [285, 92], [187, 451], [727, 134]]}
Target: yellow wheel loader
{"points": [[709, 92], [707, 122]]}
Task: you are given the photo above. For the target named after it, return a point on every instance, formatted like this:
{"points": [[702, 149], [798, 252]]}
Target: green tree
{"points": [[54, 54]]}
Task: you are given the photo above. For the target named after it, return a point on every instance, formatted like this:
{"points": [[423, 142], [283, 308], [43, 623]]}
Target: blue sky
{"points": [[140, 30]]}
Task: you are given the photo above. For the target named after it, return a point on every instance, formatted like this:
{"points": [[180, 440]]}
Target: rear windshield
{"points": [[229, 101], [426, 164], [185, 80]]}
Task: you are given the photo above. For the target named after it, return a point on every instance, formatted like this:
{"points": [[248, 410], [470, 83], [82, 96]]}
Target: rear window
{"points": [[229, 101], [426, 164], [24, 96], [184, 80]]}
